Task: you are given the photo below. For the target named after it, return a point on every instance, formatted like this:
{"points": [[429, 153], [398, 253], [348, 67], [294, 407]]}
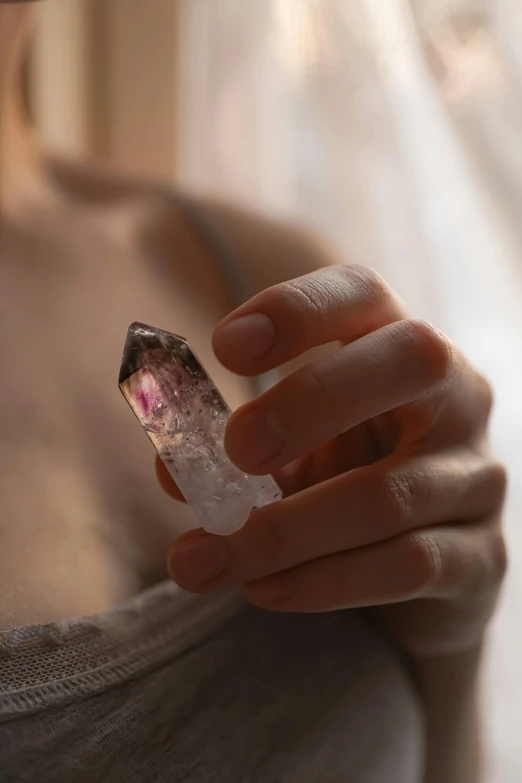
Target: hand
{"points": [[392, 498]]}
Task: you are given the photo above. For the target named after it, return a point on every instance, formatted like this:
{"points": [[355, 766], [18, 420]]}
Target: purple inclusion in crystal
{"points": [[185, 417]]}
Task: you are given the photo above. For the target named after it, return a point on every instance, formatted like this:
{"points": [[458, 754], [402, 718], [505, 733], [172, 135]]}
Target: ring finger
{"points": [[350, 512]]}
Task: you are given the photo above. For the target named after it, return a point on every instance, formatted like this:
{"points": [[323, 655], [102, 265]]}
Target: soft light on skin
{"points": [[19, 157], [15, 21]]}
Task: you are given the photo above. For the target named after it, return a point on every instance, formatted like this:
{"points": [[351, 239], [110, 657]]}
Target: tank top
{"points": [[177, 688]]}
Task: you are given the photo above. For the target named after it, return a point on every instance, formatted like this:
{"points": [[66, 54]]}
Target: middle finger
{"points": [[392, 367], [359, 509]]}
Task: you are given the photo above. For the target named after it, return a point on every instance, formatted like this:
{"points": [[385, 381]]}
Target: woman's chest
{"points": [[64, 312], [76, 471]]}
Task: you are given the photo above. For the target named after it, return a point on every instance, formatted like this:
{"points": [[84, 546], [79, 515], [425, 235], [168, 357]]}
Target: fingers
{"points": [[392, 367], [442, 562], [166, 481], [336, 303], [360, 509]]}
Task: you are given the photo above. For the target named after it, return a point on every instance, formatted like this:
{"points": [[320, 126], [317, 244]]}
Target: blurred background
{"points": [[394, 128]]}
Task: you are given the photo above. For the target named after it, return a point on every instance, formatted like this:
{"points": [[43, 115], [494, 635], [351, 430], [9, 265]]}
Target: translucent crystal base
{"points": [[185, 417]]}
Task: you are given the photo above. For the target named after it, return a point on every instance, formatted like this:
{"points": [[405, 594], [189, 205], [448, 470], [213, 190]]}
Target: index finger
{"points": [[337, 303]]}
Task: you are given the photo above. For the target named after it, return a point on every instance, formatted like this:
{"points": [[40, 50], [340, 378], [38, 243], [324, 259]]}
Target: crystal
{"points": [[185, 417]]}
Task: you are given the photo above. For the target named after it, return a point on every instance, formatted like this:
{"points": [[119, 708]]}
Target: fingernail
{"points": [[247, 338], [255, 438], [271, 591], [198, 561]]}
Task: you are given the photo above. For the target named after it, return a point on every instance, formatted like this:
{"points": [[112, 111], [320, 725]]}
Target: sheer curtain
{"points": [[392, 126], [396, 128]]}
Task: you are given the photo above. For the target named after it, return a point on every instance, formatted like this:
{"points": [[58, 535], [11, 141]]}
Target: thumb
{"points": [[166, 481]]}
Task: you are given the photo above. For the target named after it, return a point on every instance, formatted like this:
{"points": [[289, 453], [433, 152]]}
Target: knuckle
{"points": [[327, 288], [499, 557], [483, 569], [423, 561], [393, 496], [372, 284], [324, 395], [430, 349], [498, 483], [306, 293], [485, 395]]}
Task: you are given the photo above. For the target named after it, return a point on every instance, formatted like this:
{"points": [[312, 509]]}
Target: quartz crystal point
{"points": [[185, 417]]}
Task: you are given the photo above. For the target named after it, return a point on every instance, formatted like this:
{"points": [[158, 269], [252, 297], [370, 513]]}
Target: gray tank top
{"points": [[176, 688]]}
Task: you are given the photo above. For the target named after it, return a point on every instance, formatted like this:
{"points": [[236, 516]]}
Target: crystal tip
{"points": [[140, 338]]}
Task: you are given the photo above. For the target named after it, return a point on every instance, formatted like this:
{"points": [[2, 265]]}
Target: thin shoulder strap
{"points": [[232, 269]]}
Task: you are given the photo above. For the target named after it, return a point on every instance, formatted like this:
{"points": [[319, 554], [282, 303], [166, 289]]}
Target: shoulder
{"points": [[273, 250], [269, 249]]}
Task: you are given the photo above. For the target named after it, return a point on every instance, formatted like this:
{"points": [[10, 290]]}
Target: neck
{"points": [[19, 160]]}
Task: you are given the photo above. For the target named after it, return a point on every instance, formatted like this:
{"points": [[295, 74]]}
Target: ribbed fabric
{"points": [[175, 687], [43, 666]]}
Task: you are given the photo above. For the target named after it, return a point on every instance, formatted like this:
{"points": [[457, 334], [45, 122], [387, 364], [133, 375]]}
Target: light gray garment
{"points": [[177, 688]]}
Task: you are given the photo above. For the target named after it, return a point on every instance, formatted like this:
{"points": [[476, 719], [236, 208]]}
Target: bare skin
{"points": [[83, 253], [395, 463]]}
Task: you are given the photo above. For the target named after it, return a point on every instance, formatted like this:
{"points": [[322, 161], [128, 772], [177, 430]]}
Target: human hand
{"points": [[392, 497]]}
